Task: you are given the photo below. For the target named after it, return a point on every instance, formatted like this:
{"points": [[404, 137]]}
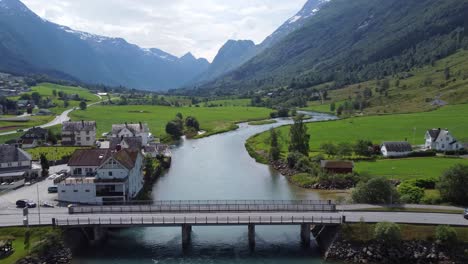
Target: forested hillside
{"points": [[354, 41]]}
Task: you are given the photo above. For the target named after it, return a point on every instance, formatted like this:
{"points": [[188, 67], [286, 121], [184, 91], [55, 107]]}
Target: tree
{"points": [[174, 129], [149, 169], [410, 193], [44, 165], [36, 97], [363, 148], [329, 149], [299, 138], [192, 122], [66, 103], [375, 191], [453, 185], [345, 149], [332, 107], [446, 235], [54, 93], [388, 233], [274, 149], [283, 112], [83, 105], [180, 116]]}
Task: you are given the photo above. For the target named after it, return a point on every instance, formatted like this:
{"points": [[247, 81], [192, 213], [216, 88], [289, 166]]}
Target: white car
{"points": [[52, 177]]}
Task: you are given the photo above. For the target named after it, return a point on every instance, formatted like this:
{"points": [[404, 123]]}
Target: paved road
{"points": [[13, 217], [63, 117]]}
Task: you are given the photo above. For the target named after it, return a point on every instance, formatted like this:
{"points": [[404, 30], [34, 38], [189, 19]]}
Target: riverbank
{"points": [[355, 244]]}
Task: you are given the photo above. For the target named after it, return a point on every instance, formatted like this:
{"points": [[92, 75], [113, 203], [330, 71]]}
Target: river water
{"points": [[215, 168]]}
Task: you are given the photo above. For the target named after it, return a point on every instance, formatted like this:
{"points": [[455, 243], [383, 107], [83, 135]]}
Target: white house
{"points": [[15, 167], [131, 130], [81, 133], [396, 149], [101, 176], [441, 140]]}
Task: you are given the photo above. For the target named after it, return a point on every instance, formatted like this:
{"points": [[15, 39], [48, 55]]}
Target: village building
{"points": [[156, 149], [134, 143], [81, 133], [132, 130], [15, 167], [396, 149], [100, 176], [36, 133], [441, 140], [337, 166]]}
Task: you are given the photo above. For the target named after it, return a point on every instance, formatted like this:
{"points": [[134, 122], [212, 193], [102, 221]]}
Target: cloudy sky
{"points": [[176, 26]]}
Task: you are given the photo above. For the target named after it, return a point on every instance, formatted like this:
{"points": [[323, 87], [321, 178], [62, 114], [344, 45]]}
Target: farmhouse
{"points": [[337, 166], [15, 167], [81, 133], [134, 143], [441, 140], [396, 149], [101, 176], [131, 130]]}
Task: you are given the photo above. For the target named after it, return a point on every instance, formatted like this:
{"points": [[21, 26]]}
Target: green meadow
{"points": [[378, 129], [212, 119]]}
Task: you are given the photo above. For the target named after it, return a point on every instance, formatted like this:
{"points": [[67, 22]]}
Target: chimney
{"points": [[141, 125]]}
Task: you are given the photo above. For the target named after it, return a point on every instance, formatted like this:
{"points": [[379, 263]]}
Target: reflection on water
{"points": [[216, 167]]}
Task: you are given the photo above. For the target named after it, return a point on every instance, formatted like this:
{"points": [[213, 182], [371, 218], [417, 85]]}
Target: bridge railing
{"points": [[214, 202], [197, 220], [192, 208]]}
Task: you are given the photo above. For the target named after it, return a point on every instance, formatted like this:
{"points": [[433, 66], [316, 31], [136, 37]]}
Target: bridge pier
{"points": [[251, 234], [186, 234], [305, 234]]}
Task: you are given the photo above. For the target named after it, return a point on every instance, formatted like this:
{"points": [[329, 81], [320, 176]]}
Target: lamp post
{"points": [[38, 203]]}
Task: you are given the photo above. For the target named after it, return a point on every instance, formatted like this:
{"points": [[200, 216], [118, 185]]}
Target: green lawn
{"points": [[410, 168], [31, 121], [52, 153], [212, 119]]}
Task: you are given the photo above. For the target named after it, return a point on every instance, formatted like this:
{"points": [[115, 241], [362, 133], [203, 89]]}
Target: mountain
{"points": [[29, 44], [351, 41], [235, 53]]}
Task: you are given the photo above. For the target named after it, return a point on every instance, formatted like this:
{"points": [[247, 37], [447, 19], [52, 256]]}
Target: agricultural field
{"points": [[52, 153], [9, 124], [229, 102], [212, 119], [378, 129]]}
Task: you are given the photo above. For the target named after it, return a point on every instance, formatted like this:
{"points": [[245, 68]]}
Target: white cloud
{"points": [[176, 26]]}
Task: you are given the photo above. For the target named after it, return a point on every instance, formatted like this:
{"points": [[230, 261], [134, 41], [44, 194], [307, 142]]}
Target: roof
{"points": [[79, 126], [36, 132], [132, 142], [28, 141], [402, 146], [160, 148], [126, 157], [434, 133], [336, 164], [11, 153], [12, 174], [89, 157], [134, 128]]}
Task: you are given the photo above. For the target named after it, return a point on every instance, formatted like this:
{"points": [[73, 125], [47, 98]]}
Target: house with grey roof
{"points": [[15, 166], [441, 140], [396, 149], [80, 133], [134, 143], [131, 130]]}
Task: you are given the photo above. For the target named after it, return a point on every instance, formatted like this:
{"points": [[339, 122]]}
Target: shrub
{"points": [[446, 235], [453, 185], [431, 199], [388, 233], [304, 165], [410, 193], [304, 180], [375, 191], [293, 158], [418, 154]]}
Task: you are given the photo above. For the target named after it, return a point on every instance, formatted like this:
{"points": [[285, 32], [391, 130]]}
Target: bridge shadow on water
{"points": [[225, 245]]}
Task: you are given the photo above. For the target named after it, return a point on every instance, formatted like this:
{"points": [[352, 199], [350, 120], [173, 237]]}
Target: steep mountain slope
{"points": [[235, 53], [30, 44], [351, 41]]}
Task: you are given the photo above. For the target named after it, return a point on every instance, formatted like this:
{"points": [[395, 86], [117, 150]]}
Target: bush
{"points": [[304, 180], [446, 235], [304, 165], [453, 185], [293, 158], [419, 154], [375, 191], [410, 193], [431, 199], [388, 233], [424, 183]]}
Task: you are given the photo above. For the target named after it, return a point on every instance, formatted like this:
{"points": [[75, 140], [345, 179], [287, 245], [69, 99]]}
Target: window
{"points": [[78, 138], [448, 139], [9, 164], [75, 190], [443, 145], [63, 191], [87, 132], [87, 138], [110, 173], [87, 191]]}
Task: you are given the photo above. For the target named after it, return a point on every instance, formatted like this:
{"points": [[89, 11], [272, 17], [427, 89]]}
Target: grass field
{"points": [[32, 121], [229, 102], [52, 153], [383, 128], [37, 234], [405, 169], [212, 119]]}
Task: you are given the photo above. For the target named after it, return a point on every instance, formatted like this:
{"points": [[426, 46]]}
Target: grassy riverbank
{"points": [[212, 119]]}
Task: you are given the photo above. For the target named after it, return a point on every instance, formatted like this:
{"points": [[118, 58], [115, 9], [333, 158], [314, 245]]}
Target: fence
{"points": [[197, 220]]}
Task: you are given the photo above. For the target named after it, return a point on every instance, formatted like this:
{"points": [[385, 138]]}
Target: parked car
{"points": [[465, 214], [52, 177], [47, 205], [25, 203], [52, 189]]}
